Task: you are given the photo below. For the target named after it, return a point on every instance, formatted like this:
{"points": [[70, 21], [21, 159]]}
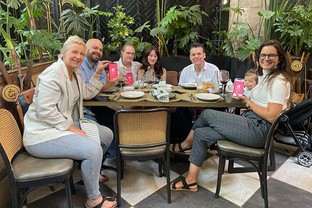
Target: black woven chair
{"points": [[25, 172], [257, 157]]}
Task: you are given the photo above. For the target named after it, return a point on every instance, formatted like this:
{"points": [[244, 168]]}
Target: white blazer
{"points": [[48, 117]]}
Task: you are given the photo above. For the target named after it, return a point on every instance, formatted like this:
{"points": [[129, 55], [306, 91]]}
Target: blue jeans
{"points": [[78, 147], [211, 126]]}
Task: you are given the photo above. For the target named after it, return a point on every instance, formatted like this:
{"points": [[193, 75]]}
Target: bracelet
{"points": [[248, 104]]}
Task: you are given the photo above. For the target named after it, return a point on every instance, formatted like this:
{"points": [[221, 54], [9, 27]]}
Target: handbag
{"points": [[23, 101]]}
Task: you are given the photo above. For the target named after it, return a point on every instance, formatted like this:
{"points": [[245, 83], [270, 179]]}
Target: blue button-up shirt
{"points": [[87, 71]]}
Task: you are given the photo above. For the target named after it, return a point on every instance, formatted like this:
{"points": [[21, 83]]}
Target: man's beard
{"points": [[92, 57]]}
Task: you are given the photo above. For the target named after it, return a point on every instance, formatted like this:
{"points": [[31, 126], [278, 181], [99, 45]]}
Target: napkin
{"points": [[162, 84], [161, 94]]}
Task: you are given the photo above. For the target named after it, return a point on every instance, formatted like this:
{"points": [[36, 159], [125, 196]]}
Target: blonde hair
{"points": [[70, 41], [252, 72]]}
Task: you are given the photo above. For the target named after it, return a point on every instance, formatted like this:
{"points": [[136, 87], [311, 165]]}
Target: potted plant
{"points": [[178, 25], [120, 32], [294, 29], [239, 40], [295, 33]]}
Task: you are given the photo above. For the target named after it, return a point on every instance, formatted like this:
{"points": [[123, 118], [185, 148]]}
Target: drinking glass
{"points": [[150, 78], [225, 77]]}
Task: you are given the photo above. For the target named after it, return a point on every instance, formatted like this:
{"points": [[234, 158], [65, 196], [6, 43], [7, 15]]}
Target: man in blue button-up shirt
{"points": [[101, 114]]}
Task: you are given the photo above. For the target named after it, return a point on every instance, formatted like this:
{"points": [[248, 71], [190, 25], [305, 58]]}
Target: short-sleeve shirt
{"points": [[277, 92], [207, 74], [87, 71], [135, 66]]}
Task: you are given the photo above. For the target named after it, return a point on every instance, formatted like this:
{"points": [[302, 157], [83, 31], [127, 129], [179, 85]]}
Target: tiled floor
{"points": [[289, 186]]}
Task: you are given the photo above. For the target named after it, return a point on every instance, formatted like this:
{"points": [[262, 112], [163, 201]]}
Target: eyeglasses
{"points": [[270, 56]]}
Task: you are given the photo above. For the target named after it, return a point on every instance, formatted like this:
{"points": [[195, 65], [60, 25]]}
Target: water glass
{"points": [[199, 86]]}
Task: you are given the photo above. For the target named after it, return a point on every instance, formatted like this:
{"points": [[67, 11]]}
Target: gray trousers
{"points": [[211, 126], [78, 147]]}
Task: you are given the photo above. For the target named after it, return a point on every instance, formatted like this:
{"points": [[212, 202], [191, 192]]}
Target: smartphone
{"points": [[112, 70], [238, 87], [129, 78]]}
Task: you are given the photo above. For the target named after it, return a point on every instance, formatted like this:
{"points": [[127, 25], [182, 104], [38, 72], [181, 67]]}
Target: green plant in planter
{"points": [[32, 42], [120, 32], [49, 43], [178, 25], [40, 44], [294, 29], [240, 40], [278, 8], [11, 48]]}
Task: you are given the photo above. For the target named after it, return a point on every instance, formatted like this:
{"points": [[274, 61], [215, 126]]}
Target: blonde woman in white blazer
{"points": [[52, 127]]}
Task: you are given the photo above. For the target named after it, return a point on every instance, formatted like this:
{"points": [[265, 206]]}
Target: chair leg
{"points": [[272, 165], [263, 184], [220, 172], [119, 177], [72, 186], [161, 167], [122, 166], [15, 199], [68, 184], [167, 172]]}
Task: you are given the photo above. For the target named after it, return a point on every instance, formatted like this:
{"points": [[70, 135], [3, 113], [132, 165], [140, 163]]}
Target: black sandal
{"points": [[99, 205], [182, 151], [185, 187]]}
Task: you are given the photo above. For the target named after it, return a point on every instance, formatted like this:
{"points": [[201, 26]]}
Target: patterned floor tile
{"points": [[140, 180], [288, 186], [237, 188], [294, 174]]}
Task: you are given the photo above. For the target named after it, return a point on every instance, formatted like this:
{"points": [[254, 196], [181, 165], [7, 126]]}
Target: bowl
{"points": [[128, 88]]}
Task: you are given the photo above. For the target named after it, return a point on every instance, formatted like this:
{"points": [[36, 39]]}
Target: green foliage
{"points": [[294, 29], [32, 43], [48, 42], [74, 22], [9, 23], [79, 19], [240, 40], [178, 25], [277, 8], [120, 32]]}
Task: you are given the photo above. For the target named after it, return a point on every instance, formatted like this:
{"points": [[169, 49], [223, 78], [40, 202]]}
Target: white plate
{"points": [[132, 94], [157, 85], [190, 86], [207, 96]]}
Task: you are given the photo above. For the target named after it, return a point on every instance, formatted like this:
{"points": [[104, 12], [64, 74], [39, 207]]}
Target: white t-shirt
{"points": [[277, 92], [247, 92]]}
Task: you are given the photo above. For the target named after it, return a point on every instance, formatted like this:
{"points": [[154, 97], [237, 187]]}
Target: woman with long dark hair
{"points": [[151, 65]]}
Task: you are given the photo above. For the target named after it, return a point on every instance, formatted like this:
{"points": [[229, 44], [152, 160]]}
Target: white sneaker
{"points": [[110, 162]]}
